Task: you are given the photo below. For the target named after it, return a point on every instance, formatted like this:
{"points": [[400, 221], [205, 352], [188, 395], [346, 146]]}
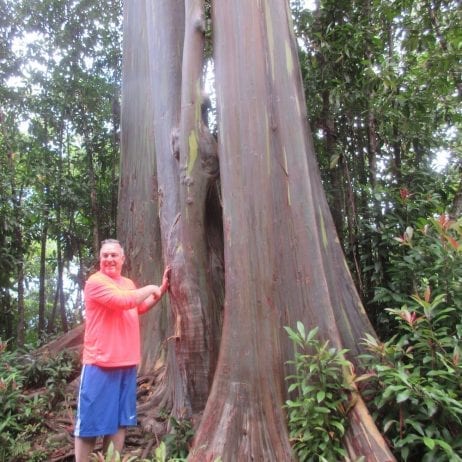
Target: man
{"points": [[107, 393]]}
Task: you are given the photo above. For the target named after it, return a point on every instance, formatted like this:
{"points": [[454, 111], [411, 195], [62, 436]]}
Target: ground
{"points": [[55, 436]]}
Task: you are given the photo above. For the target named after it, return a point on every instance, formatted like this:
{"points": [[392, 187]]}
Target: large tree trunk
{"points": [[195, 302], [284, 262], [165, 125], [138, 218], [165, 32], [283, 259]]}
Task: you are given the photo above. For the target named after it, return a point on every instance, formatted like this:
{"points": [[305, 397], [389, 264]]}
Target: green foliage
{"points": [[53, 373], [426, 255], [317, 413], [21, 412], [381, 108], [174, 447], [415, 382], [113, 455], [178, 440], [59, 123], [160, 455]]}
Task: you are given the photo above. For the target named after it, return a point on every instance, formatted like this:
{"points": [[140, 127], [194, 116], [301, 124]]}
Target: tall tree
{"points": [[138, 218], [69, 79], [283, 260]]}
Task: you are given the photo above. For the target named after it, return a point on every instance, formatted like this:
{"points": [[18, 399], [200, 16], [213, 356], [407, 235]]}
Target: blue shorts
{"points": [[107, 400]]}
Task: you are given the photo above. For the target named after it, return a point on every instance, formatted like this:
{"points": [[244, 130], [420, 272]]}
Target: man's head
{"points": [[111, 258]]}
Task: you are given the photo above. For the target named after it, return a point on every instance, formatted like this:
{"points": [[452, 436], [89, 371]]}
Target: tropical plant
{"points": [[178, 440], [414, 377], [317, 412], [422, 252], [112, 455], [53, 373], [19, 413]]}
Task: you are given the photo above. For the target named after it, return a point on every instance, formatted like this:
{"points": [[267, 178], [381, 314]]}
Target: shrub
{"points": [[53, 373], [178, 440], [21, 413], [317, 414], [427, 254], [415, 387]]}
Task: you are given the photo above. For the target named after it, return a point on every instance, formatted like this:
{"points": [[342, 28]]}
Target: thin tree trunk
{"points": [[42, 281], [54, 309], [18, 246], [96, 237], [6, 315], [21, 328], [351, 213], [43, 241], [60, 227], [93, 199], [396, 140], [338, 202], [60, 286]]}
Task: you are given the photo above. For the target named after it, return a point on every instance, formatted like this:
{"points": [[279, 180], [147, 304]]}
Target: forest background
{"points": [[383, 89]]}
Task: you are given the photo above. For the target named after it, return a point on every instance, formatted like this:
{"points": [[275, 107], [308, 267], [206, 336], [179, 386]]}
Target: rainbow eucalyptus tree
{"points": [[242, 219]]}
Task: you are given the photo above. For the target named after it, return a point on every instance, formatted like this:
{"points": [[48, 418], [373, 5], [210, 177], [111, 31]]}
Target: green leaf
{"points": [[338, 426], [417, 426], [161, 452], [334, 161], [448, 449], [301, 329], [429, 442], [388, 425], [403, 396], [312, 334]]}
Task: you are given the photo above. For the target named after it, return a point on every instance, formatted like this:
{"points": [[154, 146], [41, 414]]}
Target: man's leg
{"points": [[83, 448], [118, 439]]}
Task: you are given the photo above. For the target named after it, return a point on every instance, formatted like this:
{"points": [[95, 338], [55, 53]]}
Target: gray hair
{"points": [[113, 241]]}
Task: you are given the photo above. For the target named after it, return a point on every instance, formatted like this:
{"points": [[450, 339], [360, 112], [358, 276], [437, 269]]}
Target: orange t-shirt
{"points": [[112, 332]]}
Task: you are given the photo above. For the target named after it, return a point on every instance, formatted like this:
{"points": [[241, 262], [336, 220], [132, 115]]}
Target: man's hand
{"points": [[166, 279], [159, 291]]}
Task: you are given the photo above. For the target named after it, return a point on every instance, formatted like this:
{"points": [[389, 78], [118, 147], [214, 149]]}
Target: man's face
{"points": [[111, 259]]}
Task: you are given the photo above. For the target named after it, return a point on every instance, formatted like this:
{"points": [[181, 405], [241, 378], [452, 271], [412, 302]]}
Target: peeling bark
{"points": [[283, 260], [164, 57], [138, 219], [196, 343]]}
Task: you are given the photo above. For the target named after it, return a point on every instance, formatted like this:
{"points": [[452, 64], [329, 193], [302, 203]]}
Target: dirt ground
{"points": [[56, 436]]}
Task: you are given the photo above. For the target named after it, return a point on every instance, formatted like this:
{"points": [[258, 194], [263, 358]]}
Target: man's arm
{"points": [[100, 289], [155, 295]]}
